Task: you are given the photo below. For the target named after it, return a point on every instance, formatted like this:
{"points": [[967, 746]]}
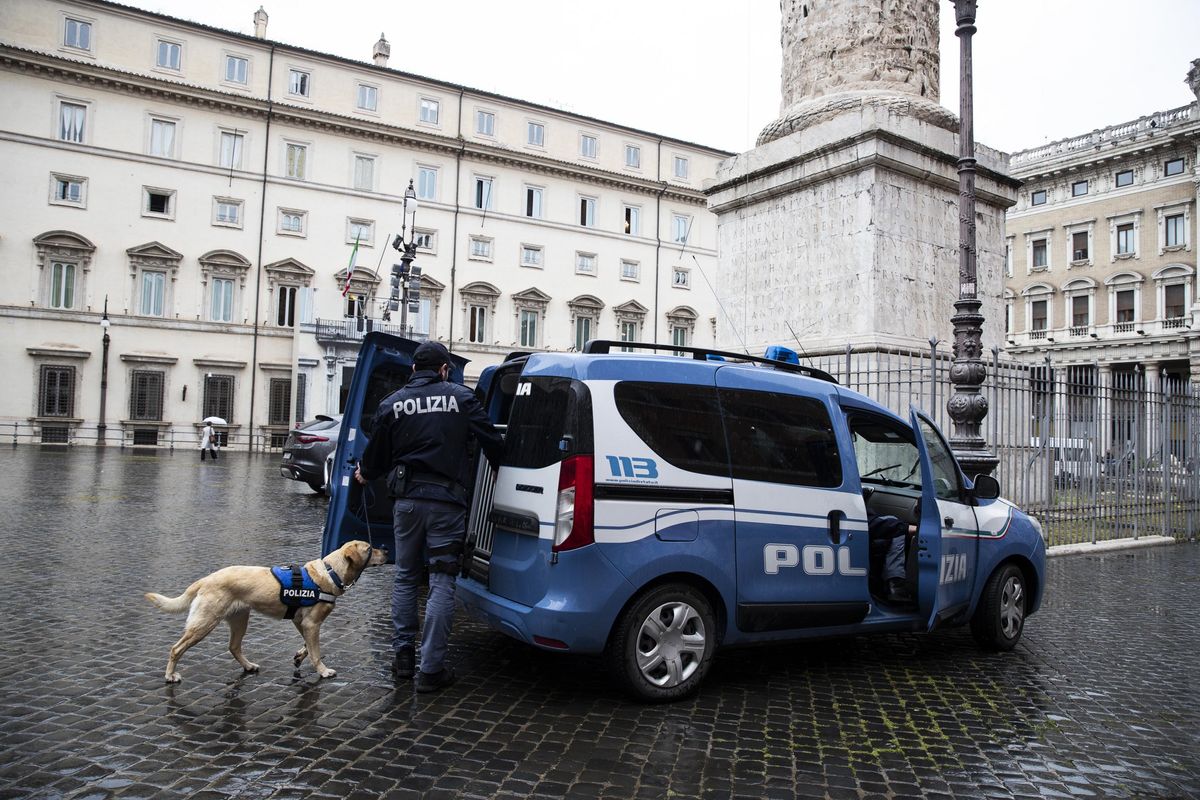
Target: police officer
{"points": [[419, 440]]}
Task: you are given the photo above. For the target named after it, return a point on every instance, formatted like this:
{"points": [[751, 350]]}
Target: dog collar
{"points": [[337, 581]]}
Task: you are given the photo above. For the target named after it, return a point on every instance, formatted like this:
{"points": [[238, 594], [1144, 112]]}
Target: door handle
{"points": [[949, 522], [835, 526]]}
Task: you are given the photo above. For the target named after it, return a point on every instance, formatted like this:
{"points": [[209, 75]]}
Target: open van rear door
{"points": [[365, 512]]}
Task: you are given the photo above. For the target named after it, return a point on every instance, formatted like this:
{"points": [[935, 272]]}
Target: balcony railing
{"points": [[1079, 330], [1038, 333], [353, 329], [1174, 322], [1154, 123], [1123, 327]]}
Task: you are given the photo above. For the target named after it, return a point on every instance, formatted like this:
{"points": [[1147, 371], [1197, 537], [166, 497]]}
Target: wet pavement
{"points": [[1101, 699]]}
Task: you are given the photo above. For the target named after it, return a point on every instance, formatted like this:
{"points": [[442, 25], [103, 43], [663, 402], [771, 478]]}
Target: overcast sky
{"points": [[707, 71]]}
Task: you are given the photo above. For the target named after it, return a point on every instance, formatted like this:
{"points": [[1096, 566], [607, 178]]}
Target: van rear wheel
{"points": [[663, 644], [1000, 616]]}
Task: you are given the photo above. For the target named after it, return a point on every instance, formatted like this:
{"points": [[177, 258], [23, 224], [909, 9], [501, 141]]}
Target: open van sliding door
{"points": [[948, 539], [800, 525], [365, 512]]}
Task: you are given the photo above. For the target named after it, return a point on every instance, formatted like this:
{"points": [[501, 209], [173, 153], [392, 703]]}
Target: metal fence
{"points": [[171, 437], [1094, 454]]}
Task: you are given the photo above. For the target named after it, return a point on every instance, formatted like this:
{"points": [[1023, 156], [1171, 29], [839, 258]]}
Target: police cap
{"points": [[430, 355]]}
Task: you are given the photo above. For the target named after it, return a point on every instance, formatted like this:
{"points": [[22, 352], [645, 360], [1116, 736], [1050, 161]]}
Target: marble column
{"points": [[1104, 386], [1153, 402]]}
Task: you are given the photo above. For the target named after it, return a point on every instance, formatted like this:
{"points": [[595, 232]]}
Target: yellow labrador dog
{"points": [[230, 593]]}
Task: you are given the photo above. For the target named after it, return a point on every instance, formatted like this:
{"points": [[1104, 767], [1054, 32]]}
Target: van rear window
{"points": [[551, 418], [680, 422], [780, 438]]}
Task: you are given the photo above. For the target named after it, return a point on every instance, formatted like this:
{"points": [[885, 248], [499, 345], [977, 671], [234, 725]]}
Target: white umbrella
{"points": [[214, 421]]}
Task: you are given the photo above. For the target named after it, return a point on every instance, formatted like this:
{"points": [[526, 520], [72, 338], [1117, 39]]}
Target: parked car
{"points": [[307, 450]]}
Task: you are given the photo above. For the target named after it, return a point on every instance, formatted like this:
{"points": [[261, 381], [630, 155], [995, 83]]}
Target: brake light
{"points": [[573, 517], [309, 438]]}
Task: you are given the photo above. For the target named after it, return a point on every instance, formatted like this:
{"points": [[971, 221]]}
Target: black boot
{"points": [[434, 681], [406, 662], [898, 592]]}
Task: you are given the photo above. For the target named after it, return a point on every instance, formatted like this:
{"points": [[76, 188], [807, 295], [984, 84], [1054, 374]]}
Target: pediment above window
{"points": [[224, 262], [289, 270]]}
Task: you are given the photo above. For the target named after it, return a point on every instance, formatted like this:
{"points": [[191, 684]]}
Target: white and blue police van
{"points": [[651, 507]]}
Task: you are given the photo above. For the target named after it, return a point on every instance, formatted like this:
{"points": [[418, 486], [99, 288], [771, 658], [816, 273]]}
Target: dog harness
{"points": [[297, 589]]}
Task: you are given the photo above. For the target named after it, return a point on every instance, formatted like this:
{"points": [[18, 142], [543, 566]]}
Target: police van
{"points": [[650, 507]]}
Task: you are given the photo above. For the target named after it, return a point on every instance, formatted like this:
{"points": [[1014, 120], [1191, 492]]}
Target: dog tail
{"points": [[174, 604]]}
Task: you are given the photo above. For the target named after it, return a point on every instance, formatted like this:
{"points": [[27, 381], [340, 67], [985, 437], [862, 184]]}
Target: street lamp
{"points": [[101, 428], [406, 276], [968, 405]]}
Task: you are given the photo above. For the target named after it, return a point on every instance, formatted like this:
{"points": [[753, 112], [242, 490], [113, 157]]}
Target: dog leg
{"points": [[199, 626], [301, 654], [310, 629], [237, 629]]}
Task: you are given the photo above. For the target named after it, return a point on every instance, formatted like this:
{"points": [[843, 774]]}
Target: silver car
{"points": [[307, 450]]}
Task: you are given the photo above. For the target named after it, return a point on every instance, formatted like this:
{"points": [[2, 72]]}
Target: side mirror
{"points": [[986, 487]]}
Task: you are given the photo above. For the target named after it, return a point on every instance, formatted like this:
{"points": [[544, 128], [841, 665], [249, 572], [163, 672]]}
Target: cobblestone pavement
{"points": [[1100, 700]]}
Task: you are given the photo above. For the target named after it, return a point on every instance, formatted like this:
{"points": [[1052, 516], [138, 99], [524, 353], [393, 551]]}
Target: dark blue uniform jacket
{"points": [[426, 425]]}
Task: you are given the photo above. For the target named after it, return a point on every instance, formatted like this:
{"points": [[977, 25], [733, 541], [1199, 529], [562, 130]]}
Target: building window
{"points": [[1008, 260], [533, 202], [1079, 188], [227, 212], [236, 69], [364, 173], [1174, 301], [361, 231], [481, 248], [583, 332], [633, 220], [587, 145], [1174, 232], [430, 111], [298, 82], [71, 120], [158, 203], [585, 263], [629, 333], [153, 293], [1040, 254], [292, 222], [1038, 198], [425, 240], [169, 56], [1080, 313], [679, 336], [630, 270], [681, 278], [483, 193], [680, 227], [427, 183], [681, 167], [279, 403], [1079, 246], [1125, 306], [368, 97], [222, 300], [67, 191], [1126, 245], [355, 306], [77, 34], [56, 391], [1125, 178], [528, 328], [295, 163], [231, 149], [1037, 315], [477, 324], [531, 255], [535, 134], [62, 285], [218, 397], [146, 394], [1173, 167], [162, 138], [587, 212], [633, 156], [285, 307], [485, 123]]}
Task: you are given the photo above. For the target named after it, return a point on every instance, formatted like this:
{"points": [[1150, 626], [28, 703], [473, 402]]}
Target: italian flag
{"points": [[350, 269]]}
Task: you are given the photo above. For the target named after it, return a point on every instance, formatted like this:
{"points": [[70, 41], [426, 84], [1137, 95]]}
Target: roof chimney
{"points": [[381, 51], [260, 23]]}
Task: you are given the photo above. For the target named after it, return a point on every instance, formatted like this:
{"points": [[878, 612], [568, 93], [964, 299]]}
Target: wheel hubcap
{"points": [[670, 644], [1012, 607]]}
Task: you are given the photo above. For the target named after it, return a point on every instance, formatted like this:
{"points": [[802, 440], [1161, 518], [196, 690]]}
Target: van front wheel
{"points": [[663, 644]]}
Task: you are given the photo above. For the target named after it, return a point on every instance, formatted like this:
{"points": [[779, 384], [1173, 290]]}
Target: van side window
{"points": [[945, 470], [680, 422], [886, 451], [780, 438], [551, 419]]}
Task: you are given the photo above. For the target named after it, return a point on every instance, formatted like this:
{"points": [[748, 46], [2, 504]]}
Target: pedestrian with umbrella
{"points": [[208, 437]]}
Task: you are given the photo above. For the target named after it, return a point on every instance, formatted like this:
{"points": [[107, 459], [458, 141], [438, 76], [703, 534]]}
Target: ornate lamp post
{"points": [[967, 406], [101, 428], [406, 276]]}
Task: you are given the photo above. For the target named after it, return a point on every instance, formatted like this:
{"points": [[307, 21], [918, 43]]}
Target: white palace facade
{"points": [[209, 186]]}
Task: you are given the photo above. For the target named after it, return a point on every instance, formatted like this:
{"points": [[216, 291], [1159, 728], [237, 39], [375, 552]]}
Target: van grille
{"points": [[479, 526]]}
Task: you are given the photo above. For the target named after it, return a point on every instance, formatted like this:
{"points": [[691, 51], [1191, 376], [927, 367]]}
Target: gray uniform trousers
{"points": [[420, 525]]}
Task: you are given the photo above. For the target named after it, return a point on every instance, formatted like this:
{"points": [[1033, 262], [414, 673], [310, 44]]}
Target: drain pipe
{"points": [[662, 188], [462, 146], [262, 217]]}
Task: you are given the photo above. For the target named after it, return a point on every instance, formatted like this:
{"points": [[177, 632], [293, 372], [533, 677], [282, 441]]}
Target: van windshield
{"points": [[551, 419]]}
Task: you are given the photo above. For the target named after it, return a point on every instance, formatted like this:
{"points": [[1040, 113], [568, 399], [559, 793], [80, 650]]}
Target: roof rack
{"points": [[703, 354]]}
